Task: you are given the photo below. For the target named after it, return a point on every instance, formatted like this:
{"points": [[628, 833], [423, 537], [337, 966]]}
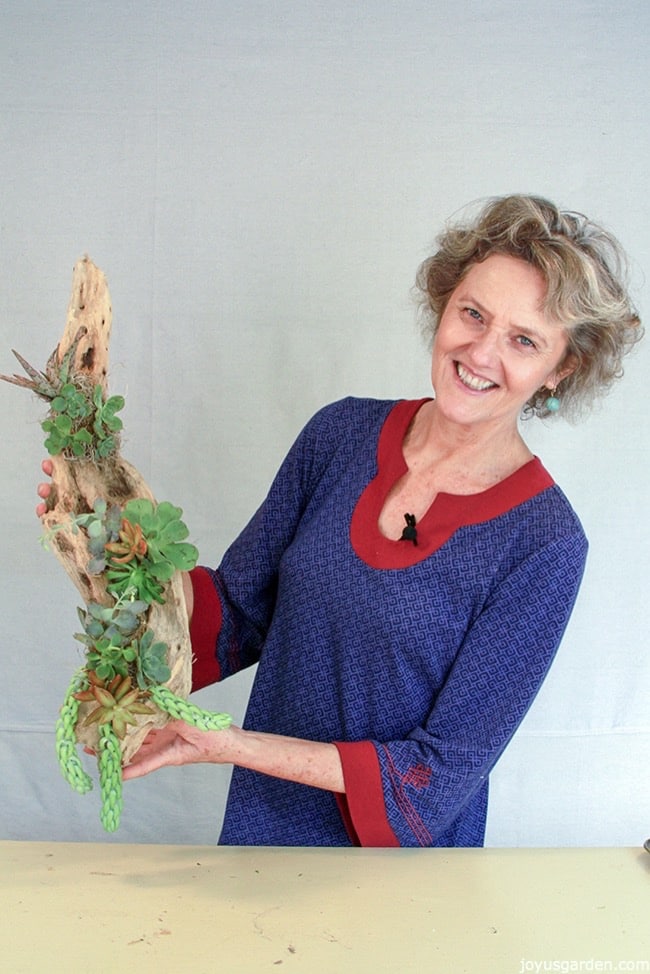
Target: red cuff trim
{"points": [[204, 630], [362, 806]]}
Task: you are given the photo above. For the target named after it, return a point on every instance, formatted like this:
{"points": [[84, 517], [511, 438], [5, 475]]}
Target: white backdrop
{"points": [[259, 183]]}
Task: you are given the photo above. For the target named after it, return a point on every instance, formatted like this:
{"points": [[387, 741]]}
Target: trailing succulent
{"points": [[137, 548]]}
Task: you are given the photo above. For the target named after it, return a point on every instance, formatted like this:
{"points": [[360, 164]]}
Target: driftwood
{"points": [[78, 482]]}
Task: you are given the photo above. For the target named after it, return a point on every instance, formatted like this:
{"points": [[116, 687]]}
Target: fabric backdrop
{"points": [[259, 183]]}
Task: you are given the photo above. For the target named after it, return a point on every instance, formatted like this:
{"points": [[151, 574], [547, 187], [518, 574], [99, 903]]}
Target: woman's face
{"points": [[495, 345]]}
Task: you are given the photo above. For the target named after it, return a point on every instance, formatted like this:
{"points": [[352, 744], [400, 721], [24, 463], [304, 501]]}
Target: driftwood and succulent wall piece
{"points": [[123, 550]]}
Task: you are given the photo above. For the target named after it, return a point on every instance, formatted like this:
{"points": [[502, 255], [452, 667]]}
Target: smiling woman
{"points": [[407, 581], [582, 278], [495, 345]]}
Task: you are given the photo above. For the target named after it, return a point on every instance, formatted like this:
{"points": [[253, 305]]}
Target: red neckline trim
{"points": [[447, 514]]}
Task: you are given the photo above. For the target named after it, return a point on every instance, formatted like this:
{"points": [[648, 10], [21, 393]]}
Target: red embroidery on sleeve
{"points": [[398, 782], [418, 776]]}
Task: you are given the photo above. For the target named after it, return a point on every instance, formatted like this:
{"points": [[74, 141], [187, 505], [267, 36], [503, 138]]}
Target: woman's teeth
{"points": [[472, 381]]}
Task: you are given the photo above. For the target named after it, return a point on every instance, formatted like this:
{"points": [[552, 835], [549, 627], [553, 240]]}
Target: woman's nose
{"points": [[484, 347]]}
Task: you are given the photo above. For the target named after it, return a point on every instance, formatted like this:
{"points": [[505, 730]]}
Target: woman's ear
{"points": [[567, 367]]}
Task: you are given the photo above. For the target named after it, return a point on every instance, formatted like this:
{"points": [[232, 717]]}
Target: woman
{"points": [[407, 581]]}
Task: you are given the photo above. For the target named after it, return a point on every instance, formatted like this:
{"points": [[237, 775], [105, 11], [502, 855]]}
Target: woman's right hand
{"points": [[44, 489]]}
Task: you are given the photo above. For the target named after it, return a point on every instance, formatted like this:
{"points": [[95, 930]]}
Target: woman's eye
{"points": [[473, 313], [525, 341]]}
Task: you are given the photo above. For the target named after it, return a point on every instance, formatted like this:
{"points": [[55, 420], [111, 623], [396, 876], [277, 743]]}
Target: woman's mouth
{"points": [[472, 381]]}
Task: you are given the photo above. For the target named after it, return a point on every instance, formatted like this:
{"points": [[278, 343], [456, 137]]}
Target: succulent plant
{"points": [[151, 661], [134, 578], [72, 401], [81, 421], [137, 549], [165, 533], [110, 777], [66, 738], [102, 525], [118, 704], [64, 438], [108, 635], [108, 660], [132, 544], [115, 622], [151, 547], [105, 423], [181, 709]]}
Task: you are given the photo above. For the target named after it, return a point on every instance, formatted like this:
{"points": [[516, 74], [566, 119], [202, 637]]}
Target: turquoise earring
{"points": [[552, 403]]}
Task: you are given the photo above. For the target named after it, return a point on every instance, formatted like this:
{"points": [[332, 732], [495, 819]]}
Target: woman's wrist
{"points": [[305, 762]]}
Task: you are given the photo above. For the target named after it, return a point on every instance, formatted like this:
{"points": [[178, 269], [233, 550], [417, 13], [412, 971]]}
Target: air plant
{"points": [[48, 384]]}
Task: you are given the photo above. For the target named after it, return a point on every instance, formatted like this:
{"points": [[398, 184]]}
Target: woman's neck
{"points": [[475, 456]]}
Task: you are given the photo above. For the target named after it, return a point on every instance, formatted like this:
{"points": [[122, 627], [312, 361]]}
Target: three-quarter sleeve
{"points": [[234, 603]]}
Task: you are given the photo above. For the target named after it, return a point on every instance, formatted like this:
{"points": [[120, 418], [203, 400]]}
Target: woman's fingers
{"points": [[41, 508], [44, 489], [154, 752]]}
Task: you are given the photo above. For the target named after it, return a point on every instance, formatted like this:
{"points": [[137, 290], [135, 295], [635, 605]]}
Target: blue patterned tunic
{"points": [[419, 662]]}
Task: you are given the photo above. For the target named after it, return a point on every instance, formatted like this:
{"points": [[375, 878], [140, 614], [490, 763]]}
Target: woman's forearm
{"points": [[306, 762]]}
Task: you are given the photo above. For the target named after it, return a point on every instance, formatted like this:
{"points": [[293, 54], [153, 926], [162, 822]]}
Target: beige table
{"points": [[90, 909]]}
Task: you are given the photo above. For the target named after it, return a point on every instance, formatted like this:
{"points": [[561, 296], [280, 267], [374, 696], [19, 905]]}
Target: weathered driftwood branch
{"points": [[78, 482]]}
